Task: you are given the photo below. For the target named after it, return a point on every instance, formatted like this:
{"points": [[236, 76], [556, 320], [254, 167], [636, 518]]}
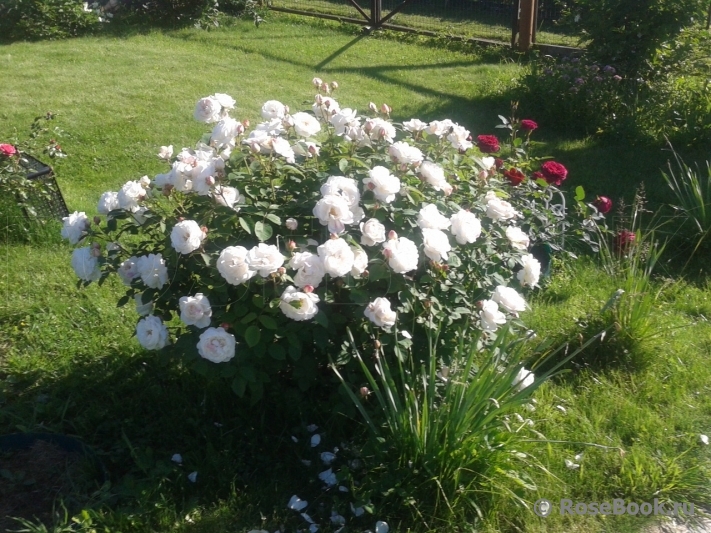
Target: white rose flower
{"points": [[459, 138], [273, 109], [232, 265], [216, 345], [436, 244], [523, 379], [380, 313], [166, 152], [404, 154], [498, 209], [433, 174], [488, 162], [186, 236], [344, 119], [130, 194], [414, 125], [430, 217], [305, 125], [85, 264], [517, 238], [402, 254], [128, 270], [227, 196], [358, 136], [509, 299], [327, 106], [360, 261], [298, 305], [265, 259], [141, 308], [347, 188], [283, 148], [291, 224], [272, 128], [145, 182], [383, 184], [380, 130], [373, 232], [203, 178], [74, 226], [108, 202], [337, 257], [439, 127], [310, 269], [333, 211], [195, 310], [152, 270], [531, 271], [225, 100], [225, 131], [152, 333], [208, 110], [491, 317], [466, 227]]}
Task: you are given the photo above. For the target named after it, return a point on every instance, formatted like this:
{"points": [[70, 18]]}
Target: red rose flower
{"points": [[515, 176], [7, 150], [498, 162], [623, 240], [603, 204], [488, 144], [538, 176], [528, 125], [554, 173]]}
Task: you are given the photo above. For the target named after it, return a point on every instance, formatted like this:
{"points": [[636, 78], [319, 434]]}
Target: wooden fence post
{"points": [[376, 11], [525, 24]]}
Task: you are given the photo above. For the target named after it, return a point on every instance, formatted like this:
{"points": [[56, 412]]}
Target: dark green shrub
{"points": [[45, 19]]}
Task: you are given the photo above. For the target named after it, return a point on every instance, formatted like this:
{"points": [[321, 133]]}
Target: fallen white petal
{"points": [[570, 464], [307, 518], [294, 439], [381, 527], [328, 477], [177, 458], [192, 477], [578, 457], [561, 408], [313, 528], [306, 462], [406, 334], [328, 458], [297, 504], [343, 489], [704, 439], [311, 428], [358, 511], [337, 519], [315, 440]]}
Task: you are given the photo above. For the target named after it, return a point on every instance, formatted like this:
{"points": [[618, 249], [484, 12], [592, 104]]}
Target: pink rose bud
{"points": [[319, 99], [281, 271], [317, 82], [377, 344], [392, 235], [364, 392], [385, 108], [97, 220], [167, 189], [254, 147], [333, 236], [291, 224], [308, 289], [204, 229], [245, 123], [373, 107], [286, 109], [334, 85], [387, 253], [325, 88], [210, 181], [483, 174], [291, 246], [327, 103], [313, 149], [240, 129], [180, 219], [225, 326]]}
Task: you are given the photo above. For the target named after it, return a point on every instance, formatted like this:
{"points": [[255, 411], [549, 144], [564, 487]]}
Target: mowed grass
{"points": [[69, 364]]}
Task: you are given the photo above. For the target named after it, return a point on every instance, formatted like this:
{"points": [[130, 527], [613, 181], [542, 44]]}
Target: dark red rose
{"points": [[498, 162], [538, 176], [623, 240], [528, 125], [7, 150], [488, 144], [515, 176], [554, 173], [603, 204]]}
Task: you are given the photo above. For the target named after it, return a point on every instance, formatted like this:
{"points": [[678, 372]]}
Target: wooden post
{"points": [[525, 25], [376, 9]]}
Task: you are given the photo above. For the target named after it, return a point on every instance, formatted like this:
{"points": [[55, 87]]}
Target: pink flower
{"points": [[7, 150], [603, 204], [528, 125]]}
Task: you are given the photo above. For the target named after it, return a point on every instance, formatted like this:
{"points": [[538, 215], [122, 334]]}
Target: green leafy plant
{"points": [[48, 19]]}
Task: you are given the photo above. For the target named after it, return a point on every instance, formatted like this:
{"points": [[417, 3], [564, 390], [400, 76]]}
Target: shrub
{"points": [[47, 19]]}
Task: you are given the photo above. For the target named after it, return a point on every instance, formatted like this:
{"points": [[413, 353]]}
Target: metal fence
{"points": [[492, 20]]}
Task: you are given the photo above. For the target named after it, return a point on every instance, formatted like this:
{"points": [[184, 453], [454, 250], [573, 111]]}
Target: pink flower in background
{"points": [[528, 125], [7, 150]]}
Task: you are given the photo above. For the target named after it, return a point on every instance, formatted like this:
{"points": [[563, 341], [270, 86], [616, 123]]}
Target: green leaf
{"points": [[343, 165], [579, 193], [268, 322], [252, 336], [263, 231], [258, 301], [239, 385], [321, 319], [277, 352], [206, 259], [249, 318], [271, 217], [122, 301], [245, 225]]}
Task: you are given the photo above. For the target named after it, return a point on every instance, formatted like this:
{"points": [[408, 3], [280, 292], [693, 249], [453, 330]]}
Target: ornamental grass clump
{"points": [[258, 248]]}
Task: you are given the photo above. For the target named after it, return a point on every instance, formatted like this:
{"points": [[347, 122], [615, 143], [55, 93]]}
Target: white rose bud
{"points": [[291, 224], [380, 313]]}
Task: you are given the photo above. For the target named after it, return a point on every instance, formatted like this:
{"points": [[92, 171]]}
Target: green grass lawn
{"points": [[68, 363]]}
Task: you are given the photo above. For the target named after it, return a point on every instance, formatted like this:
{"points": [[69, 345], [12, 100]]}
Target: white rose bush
{"points": [[257, 251]]}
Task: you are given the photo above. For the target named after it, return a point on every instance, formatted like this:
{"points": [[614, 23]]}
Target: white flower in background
{"points": [[265, 259], [203, 178], [531, 271], [373, 232], [128, 270], [192, 477], [179, 177], [208, 110], [517, 237], [509, 299], [291, 224], [187, 156], [380, 313], [488, 162], [299, 306], [383, 184], [273, 109], [108, 202], [347, 188], [166, 152], [404, 154], [186, 236], [306, 149], [360, 261], [402, 254], [85, 264], [177, 458], [439, 127], [344, 119], [414, 125], [143, 309], [232, 265], [272, 128], [152, 333], [358, 136], [216, 345], [466, 227], [130, 194], [333, 211], [74, 226], [326, 107], [430, 217], [491, 317], [523, 379], [227, 196], [297, 504], [381, 527], [282, 147], [498, 209], [328, 477], [459, 138], [225, 131], [195, 310], [305, 124], [436, 244], [152, 270], [225, 100], [310, 269], [380, 130], [145, 182], [433, 174], [259, 142], [337, 257]]}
